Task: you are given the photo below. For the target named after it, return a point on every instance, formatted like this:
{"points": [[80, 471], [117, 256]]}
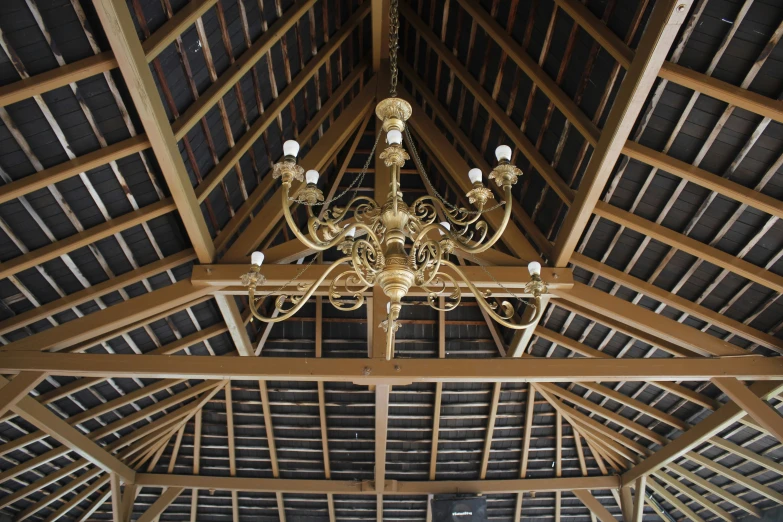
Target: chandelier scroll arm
{"points": [[481, 300], [287, 314]]}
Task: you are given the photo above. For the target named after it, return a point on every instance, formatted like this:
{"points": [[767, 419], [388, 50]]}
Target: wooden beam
{"points": [[669, 71], [691, 246], [542, 166], [91, 292], [355, 487], [594, 506], [380, 33], [87, 237], [13, 391], [662, 28], [737, 477], [121, 33], [160, 505], [493, 412], [316, 158], [244, 64], [675, 301], [116, 498], [236, 326], [767, 416], [382, 398], [711, 488], [373, 371], [558, 280], [709, 427], [106, 320], [639, 322], [271, 113], [673, 500], [102, 62], [695, 496], [45, 420]]}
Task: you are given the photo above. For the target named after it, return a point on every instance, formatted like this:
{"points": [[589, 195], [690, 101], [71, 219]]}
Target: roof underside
{"points": [[42, 132]]}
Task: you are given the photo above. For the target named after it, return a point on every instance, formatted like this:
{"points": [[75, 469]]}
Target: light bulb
{"points": [[351, 232], [446, 225], [394, 137], [291, 148], [257, 258], [534, 267], [311, 176], [503, 152], [475, 175]]}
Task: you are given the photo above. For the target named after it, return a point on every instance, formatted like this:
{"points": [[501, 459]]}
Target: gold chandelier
{"points": [[400, 246]]}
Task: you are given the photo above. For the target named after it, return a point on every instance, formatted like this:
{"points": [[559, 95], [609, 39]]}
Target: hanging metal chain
{"points": [[394, 44], [513, 294], [292, 280], [423, 173], [357, 182]]}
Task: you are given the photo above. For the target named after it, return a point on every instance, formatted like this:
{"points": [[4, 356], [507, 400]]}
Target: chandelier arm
{"points": [[451, 213], [300, 301], [335, 297], [482, 301], [364, 205], [313, 242], [455, 298], [482, 246]]}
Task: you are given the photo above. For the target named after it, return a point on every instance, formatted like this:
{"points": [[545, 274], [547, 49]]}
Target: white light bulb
{"points": [[503, 153], [351, 232], [446, 225], [534, 267], [257, 258], [394, 137], [290, 148], [475, 175], [311, 176]]}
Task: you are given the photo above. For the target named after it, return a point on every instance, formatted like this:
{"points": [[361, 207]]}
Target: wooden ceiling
{"points": [[136, 144]]}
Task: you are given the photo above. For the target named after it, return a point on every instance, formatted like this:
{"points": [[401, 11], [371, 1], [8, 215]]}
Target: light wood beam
{"points": [[236, 326], [709, 427], [493, 411], [382, 398], [244, 64], [673, 500], [393, 487], [380, 33], [695, 496], [160, 505], [106, 320], [767, 416], [539, 163], [121, 33], [662, 28], [116, 498], [284, 98], [87, 237], [691, 246], [678, 74], [675, 301], [13, 391], [594, 506], [45, 420], [713, 489], [371, 371], [105, 61]]}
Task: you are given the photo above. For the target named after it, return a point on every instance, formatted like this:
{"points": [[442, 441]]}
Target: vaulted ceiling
{"points": [[136, 146]]}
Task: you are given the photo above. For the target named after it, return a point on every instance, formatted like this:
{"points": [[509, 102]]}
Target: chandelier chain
{"points": [[509, 291], [284, 285], [357, 182], [394, 39], [423, 173]]}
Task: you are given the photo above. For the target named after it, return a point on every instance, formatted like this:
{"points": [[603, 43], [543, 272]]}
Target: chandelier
{"points": [[392, 244]]}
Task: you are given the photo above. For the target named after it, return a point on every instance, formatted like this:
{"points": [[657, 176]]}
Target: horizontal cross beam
{"points": [[512, 277], [395, 372], [392, 487]]}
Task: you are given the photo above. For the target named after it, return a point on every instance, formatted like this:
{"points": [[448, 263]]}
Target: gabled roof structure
{"points": [[136, 146]]}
